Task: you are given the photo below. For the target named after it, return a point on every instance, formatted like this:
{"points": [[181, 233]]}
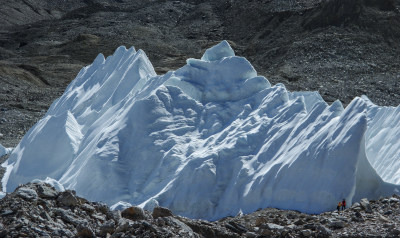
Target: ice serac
{"points": [[218, 52], [208, 140], [383, 141], [3, 150]]}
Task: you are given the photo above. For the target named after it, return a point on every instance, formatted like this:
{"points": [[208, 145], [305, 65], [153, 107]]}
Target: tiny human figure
{"points": [[343, 204], [339, 206]]}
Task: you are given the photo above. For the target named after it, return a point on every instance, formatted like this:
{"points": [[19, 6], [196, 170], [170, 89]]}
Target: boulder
{"points": [[84, 231], [394, 200], [357, 217], [250, 234], [123, 225], [337, 224], [306, 233], [102, 207], [27, 193], [114, 215], [68, 216], [161, 212], [388, 212], [323, 231], [107, 227], [134, 213], [366, 205], [389, 226], [272, 226], [88, 208], [299, 222], [185, 230], [67, 198], [260, 221], [238, 226], [384, 219], [46, 191], [310, 226]]}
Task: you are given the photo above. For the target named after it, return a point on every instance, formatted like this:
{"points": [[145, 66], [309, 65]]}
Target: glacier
{"points": [[209, 140]]}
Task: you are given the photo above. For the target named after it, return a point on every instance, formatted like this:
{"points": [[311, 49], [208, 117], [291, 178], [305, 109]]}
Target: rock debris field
{"points": [[38, 210]]}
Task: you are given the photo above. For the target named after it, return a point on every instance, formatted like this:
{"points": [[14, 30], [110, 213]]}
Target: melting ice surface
{"points": [[208, 140]]}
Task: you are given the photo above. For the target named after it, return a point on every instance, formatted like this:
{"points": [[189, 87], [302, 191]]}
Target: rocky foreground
{"points": [[38, 210]]}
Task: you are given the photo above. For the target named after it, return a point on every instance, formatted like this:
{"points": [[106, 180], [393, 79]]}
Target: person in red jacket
{"points": [[343, 204]]}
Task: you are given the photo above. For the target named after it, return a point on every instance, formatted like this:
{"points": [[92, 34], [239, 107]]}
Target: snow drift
{"points": [[208, 140]]}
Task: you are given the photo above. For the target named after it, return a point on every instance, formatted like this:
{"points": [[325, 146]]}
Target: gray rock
{"points": [[272, 226], [45, 216], [68, 216], [84, 231], [88, 208], [366, 205], [250, 234], [265, 232], [100, 217], [62, 233], [27, 193], [383, 218], [114, 215], [323, 231], [67, 198], [107, 227], [310, 226], [393, 200], [389, 225], [7, 212], [385, 200], [46, 191], [291, 216], [337, 224], [395, 232], [232, 228], [102, 207], [241, 229], [134, 213], [357, 217], [299, 222], [306, 233], [152, 228], [180, 225], [388, 212], [260, 221], [123, 225], [161, 212]]}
